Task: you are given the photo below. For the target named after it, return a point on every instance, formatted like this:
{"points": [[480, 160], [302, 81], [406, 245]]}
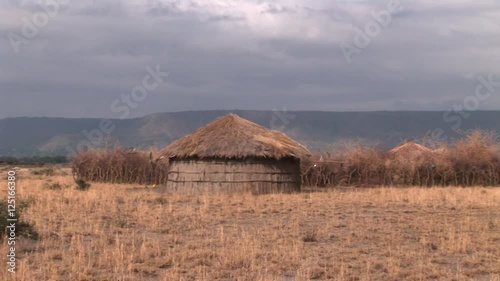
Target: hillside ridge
{"points": [[318, 130]]}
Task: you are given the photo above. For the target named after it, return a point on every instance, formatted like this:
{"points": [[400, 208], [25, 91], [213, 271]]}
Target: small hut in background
{"points": [[233, 154], [411, 152], [411, 164]]}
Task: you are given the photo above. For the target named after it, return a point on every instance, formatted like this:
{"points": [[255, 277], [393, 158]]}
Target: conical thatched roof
{"points": [[411, 150], [234, 137]]}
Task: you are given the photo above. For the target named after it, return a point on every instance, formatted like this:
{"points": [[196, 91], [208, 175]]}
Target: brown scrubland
{"points": [[471, 161], [118, 166], [128, 232]]}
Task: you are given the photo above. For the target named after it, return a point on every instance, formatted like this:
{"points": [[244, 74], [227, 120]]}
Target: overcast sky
{"points": [[245, 54]]}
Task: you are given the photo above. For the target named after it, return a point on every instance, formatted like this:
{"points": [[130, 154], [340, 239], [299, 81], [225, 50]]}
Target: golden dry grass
{"points": [[116, 232]]}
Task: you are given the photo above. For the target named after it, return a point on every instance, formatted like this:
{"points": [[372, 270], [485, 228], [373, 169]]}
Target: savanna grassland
{"points": [[127, 232]]}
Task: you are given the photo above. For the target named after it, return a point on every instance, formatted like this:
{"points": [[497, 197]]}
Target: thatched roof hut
{"points": [[411, 151], [234, 154]]}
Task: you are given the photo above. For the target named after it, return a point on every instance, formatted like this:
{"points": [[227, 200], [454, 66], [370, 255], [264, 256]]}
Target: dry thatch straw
{"points": [[353, 165], [234, 137], [411, 150], [234, 154], [117, 166], [410, 164], [474, 160]]}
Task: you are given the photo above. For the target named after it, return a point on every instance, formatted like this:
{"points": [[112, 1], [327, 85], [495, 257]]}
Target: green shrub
{"points": [[82, 185], [22, 228]]}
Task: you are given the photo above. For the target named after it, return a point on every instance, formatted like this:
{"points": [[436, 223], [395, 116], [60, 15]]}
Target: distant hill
{"points": [[318, 130]]}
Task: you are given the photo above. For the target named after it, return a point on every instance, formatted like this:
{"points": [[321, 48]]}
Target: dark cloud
{"points": [[246, 55]]}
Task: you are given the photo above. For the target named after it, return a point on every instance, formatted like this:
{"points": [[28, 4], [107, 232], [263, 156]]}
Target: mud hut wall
{"points": [[254, 175]]}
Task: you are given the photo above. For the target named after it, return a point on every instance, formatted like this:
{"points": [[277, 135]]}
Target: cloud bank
{"points": [[245, 54]]}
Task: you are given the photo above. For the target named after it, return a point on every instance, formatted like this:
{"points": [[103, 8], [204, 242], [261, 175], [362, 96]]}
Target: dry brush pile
{"points": [[118, 166], [472, 161]]}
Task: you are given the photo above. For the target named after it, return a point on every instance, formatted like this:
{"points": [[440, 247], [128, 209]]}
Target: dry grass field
{"points": [[125, 232]]}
